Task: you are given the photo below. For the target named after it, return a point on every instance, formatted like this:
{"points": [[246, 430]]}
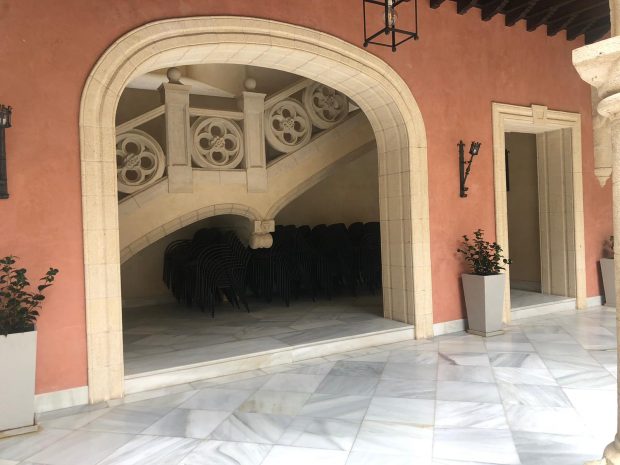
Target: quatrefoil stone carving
{"points": [[140, 161], [287, 126], [326, 106], [217, 143]]}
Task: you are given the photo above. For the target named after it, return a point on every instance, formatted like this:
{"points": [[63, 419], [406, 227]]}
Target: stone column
{"points": [[253, 105], [175, 97], [599, 65]]}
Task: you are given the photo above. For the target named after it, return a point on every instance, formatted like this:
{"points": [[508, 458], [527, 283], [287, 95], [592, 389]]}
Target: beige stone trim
{"points": [[538, 120], [376, 88]]}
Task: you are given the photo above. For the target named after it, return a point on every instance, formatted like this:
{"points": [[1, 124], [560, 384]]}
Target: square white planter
{"points": [[609, 281], [17, 366], [484, 299]]}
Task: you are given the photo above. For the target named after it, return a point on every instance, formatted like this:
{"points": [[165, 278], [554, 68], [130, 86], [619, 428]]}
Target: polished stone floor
{"points": [[520, 298], [166, 336], [544, 393]]}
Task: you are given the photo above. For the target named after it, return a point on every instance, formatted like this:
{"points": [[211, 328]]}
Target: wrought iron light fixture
{"points": [[463, 170], [385, 14], [5, 122]]}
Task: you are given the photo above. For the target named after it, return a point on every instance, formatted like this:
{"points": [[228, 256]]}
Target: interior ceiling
{"points": [[576, 17]]}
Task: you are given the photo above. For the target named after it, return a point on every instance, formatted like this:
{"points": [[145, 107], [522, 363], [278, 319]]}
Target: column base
{"points": [[612, 453]]}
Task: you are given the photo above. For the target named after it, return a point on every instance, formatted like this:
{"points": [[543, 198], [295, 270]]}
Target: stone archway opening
{"points": [[381, 94]]}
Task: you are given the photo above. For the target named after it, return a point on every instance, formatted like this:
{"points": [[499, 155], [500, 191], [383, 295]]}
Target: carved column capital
{"points": [[261, 237]]}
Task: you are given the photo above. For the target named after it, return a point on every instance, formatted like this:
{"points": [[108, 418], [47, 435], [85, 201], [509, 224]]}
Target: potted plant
{"points": [[608, 272], [19, 310], [484, 286]]}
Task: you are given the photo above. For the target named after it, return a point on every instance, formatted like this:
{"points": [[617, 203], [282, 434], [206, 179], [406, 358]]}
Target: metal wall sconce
{"points": [[389, 15], [5, 122], [463, 169]]}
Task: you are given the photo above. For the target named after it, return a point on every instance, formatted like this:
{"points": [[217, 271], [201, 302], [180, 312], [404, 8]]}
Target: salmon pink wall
{"points": [[460, 65]]}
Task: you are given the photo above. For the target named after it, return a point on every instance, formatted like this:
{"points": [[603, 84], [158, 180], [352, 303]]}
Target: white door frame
{"points": [[538, 119]]}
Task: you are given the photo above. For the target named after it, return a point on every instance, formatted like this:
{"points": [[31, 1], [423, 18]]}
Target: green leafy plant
{"points": [[19, 306], [485, 258]]}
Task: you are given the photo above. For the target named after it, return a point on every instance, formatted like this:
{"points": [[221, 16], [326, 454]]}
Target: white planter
{"points": [[17, 368], [484, 299], [609, 281]]}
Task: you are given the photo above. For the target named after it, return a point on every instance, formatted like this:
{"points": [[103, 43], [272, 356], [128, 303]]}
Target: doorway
{"points": [[539, 208], [539, 202]]}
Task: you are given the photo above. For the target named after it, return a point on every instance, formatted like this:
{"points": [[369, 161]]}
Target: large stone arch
{"points": [[376, 88]]}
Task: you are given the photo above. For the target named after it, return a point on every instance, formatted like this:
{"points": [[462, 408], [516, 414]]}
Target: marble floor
{"points": [[520, 298], [544, 393], [167, 336]]}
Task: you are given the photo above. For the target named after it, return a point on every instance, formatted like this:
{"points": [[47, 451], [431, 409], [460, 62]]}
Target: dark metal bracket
{"points": [[465, 166]]}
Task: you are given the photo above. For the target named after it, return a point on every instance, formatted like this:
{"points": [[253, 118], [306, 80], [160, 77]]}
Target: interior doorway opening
{"points": [[539, 201]]}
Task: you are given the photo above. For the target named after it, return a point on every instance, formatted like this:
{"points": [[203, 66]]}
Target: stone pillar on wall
{"points": [[253, 105], [599, 65], [175, 96], [603, 158]]}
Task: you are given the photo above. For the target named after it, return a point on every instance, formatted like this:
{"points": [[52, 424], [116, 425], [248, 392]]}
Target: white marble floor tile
{"points": [[73, 421], [394, 439], [293, 382], [286, 455], [467, 391], [258, 428], [418, 389], [152, 450], [363, 369], [81, 448], [524, 376], [502, 346], [227, 453], [217, 399], [475, 445], [129, 418], [597, 408], [467, 343], [465, 373], [517, 360], [533, 395], [188, 423], [335, 406], [275, 402], [414, 357], [409, 371], [320, 433], [589, 379], [348, 385], [375, 458], [464, 359], [554, 420], [418, 412], [20, 447], [451, 414], [554, 449]]}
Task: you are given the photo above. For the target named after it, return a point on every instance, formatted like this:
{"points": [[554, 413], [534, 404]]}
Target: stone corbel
{"points": [[261, 235], [539, 113]]}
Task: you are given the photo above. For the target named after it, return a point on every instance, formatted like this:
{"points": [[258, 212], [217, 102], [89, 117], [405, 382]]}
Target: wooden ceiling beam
{"points": [[575, 30], [534, 21], [577, 17], [463, 6], [436, 3], [493, 8], [516, 15], [597, 32]]}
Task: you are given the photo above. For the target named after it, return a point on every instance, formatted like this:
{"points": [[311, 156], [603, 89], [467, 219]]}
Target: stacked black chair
{"points": [[323, 260]]}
